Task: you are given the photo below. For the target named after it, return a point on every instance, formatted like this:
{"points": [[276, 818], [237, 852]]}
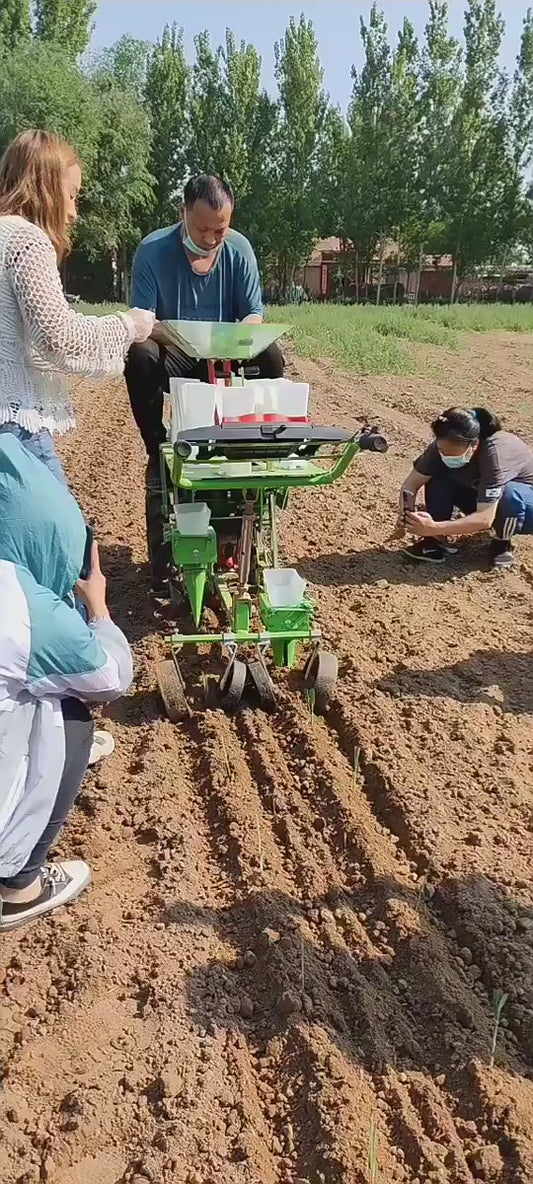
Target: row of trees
{"points": [[433, 153]]}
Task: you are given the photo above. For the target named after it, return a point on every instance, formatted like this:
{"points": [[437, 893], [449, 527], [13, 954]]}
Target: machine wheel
{"points": [[231, 685], [320, 673], [263, 685], [172, 691]]}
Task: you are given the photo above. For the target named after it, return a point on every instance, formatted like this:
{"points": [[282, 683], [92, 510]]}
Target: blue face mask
{"points": [[191, 246], [456, 462]]}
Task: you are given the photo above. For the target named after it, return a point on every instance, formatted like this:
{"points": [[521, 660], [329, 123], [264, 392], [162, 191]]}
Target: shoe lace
{"points": [[52, 873]]}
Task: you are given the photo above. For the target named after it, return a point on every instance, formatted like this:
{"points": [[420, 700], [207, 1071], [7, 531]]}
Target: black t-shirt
{"points": [[502, 458]]}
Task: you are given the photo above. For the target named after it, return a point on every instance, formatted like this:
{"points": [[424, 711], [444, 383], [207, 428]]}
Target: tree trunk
{"points": [[356, 276], [419, 275], [380, 273], [454, 281]]}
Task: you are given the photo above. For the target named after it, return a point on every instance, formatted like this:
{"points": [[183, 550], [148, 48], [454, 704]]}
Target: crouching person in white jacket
{"points": [[51, 664]]}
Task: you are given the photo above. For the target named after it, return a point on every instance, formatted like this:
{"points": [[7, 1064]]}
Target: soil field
{"points": [[284, 970]]}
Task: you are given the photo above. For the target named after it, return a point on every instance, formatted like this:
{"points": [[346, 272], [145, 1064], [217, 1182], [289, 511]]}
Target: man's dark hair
{"points": [[213, 190]]}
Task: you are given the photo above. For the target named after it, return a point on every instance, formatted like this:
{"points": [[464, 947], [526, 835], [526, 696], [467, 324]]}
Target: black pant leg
{"points": [[79, 730], [270, 362], [145, 379], [172, 363]]}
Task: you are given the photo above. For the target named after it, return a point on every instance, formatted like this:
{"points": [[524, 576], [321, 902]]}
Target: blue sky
{"points": [[263, 22]]}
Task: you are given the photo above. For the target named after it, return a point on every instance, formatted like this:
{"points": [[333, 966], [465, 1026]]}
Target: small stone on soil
{"points": [[290, 1002]]}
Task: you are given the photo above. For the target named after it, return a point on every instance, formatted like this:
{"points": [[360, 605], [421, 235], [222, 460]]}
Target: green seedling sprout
{"points": [[311, 697], [356, 765], [373, 1151], [499, 999]]}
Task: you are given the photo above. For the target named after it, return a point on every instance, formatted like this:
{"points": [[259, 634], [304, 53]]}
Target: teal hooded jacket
{"points": [[47, 651]]}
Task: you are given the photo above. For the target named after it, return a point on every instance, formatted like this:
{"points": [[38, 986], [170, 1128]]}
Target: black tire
{"points": [[231, 686], [321, 673], [172, 692], [263, 685]]}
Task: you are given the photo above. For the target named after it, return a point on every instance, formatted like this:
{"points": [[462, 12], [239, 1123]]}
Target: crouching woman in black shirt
{"points": [[474, 467]]}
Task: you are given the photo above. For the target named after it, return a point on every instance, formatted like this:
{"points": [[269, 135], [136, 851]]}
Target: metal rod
{"points": [[243, 638]]}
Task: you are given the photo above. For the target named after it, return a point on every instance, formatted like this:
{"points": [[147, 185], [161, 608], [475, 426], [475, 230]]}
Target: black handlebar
{"points": [[371, 440]]}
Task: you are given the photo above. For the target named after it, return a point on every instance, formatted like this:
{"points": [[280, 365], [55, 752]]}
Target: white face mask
{"points": [[190, 245], [456, 462]]}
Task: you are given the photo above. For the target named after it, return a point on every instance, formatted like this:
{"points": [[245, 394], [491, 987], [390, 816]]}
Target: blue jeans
{"points": [[515, 507], [41, 445]]}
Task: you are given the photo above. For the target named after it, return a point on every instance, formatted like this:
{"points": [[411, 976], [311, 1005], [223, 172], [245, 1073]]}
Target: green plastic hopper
{"points": [[222, 341]]}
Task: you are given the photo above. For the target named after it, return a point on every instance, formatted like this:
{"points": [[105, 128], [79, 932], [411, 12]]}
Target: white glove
{"points": [[140, 323]]}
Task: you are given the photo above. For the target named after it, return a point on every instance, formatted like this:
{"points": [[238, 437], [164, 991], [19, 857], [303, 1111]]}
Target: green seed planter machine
{"points": [[224, 485]]}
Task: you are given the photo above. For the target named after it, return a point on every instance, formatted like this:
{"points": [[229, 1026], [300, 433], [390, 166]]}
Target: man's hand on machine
{"points": [[159, 335]]}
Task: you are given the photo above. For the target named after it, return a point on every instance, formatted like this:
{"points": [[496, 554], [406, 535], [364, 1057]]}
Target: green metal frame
{"points": [[267, 486]]}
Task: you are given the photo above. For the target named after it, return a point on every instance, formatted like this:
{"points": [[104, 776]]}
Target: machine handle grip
{"points": [[371, 440], [273, 429]]}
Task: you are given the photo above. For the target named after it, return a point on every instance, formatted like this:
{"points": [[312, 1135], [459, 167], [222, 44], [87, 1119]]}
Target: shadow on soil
{"points": [[487, 676], [391, 987], [341, 569], [420, 1006]]}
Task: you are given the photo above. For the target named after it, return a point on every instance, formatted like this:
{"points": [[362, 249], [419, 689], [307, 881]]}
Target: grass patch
{"points": [[98, 310], [369, 340], [362, 338], [373, 340]]}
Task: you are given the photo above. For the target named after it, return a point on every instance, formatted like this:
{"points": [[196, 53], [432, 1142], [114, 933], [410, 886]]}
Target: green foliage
{"points": [[41, 87], [120, 184], [303, 107], [434, 153], [66, 23], [166, 94], [15, 23]]}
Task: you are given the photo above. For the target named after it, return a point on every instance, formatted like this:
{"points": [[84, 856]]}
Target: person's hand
{"points": [[143, 323], [159, 334], [420, 523], [92, 590]]}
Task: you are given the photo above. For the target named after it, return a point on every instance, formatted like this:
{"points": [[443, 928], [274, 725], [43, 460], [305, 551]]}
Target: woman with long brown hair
{"points": [[42, 340]]}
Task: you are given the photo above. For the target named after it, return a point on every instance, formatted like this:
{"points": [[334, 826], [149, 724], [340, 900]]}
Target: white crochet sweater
{"points": [[41, 338]]}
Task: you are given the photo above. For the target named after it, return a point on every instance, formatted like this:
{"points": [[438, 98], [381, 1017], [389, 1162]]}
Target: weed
{"points": [[499, 999], [356, 766], [311, 697]]}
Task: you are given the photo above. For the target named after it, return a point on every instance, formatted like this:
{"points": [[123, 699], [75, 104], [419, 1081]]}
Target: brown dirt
{"points": [[197, 1019]]}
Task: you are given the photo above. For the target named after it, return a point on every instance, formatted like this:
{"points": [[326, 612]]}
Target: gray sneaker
{"points": [[60, 883]]}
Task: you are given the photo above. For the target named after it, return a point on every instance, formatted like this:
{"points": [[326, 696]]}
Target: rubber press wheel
{"points": [[320, 673], [231, 686], [263, 685], [171, 691]]}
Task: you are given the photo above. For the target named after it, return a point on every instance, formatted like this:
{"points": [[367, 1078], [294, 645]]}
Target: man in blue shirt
{"points": [[197, 270]]}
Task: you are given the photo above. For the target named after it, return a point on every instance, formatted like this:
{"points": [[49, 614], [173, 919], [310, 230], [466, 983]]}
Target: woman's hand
{"points": [[143, 323], [420, 523], [92, 590]]}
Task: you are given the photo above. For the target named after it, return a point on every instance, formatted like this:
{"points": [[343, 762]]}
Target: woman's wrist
{"points": [[98, 612]]}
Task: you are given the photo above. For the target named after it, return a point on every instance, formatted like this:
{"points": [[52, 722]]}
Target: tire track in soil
{"points": [[172, 1051]]}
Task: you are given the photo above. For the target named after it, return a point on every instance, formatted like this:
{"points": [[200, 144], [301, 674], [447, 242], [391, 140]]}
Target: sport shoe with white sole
{"points": [[60, 883], [103, 745]]}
